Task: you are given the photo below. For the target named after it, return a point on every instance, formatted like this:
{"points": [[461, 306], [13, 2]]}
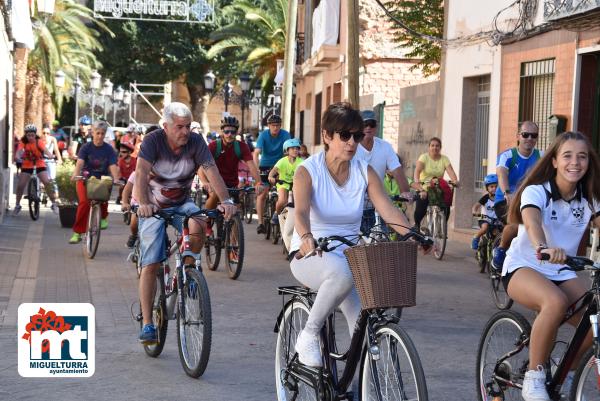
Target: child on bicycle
{"points": [[285, 168], [485, 207], [126, 164], [553, 207]]}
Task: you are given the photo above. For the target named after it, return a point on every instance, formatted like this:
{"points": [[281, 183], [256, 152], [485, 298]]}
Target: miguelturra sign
{"points": [[191, 11]]}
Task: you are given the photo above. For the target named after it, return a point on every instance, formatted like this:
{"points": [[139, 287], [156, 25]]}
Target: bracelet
{"points": [[305, 234], [228, 201], [540, 247]]}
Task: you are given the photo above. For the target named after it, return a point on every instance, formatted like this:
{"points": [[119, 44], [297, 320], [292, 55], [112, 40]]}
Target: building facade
{"points": [[510, 63], [321, 70]]}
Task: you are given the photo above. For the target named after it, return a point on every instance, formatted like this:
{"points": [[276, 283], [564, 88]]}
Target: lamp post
{"points": [[107, 89], [277, 99], [118, 95], [245, 85], [258, 98], [94, 85]]}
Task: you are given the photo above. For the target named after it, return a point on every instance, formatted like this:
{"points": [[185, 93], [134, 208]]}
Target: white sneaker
{"points": [[309, 350], [534, 385], [54, 208], [17, 210]]}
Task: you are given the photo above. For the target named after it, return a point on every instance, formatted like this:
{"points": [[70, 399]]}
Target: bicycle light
{"points": [[374, 351], [594, 322]]}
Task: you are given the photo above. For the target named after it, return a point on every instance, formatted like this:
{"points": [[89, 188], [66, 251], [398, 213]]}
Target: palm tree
{"points": [[255, 36], [66, 41]]}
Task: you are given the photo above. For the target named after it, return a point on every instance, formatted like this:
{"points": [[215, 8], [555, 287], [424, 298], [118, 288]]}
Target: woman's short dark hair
{"points": [[340, 117], [436, 139]]}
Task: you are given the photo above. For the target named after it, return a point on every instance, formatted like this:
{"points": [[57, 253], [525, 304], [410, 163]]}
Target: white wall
{"points": [[6, 81]]}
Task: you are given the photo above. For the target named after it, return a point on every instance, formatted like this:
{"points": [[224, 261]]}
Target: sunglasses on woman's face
{"points": [[357, 135], [528, 135]]}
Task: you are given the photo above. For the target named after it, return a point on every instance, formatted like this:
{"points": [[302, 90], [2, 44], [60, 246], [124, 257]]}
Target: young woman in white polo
{"points": [[553, 207]]}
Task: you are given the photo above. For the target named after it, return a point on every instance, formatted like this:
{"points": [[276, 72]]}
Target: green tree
{"points": [[159, 52], [255, 36], [66, 40], [416, 22]]}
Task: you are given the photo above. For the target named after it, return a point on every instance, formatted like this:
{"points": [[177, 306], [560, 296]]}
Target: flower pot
{"points": [[66, 214]]}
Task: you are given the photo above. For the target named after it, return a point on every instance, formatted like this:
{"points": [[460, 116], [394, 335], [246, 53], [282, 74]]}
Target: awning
{"points": [[21, 23]]}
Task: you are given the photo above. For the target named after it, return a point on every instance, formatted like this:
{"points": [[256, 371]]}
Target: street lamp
{"points": [[209, 81], [94, 85], [107, 89], [118, 95], [59, 79], [245, 85]]}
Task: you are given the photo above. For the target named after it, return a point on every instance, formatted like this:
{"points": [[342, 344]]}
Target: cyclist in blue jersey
{"points": [[270, 147], [512, 167]]}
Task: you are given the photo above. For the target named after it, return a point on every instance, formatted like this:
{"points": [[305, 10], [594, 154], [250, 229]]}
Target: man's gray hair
{"points": [[99, 124], [176, 109]]}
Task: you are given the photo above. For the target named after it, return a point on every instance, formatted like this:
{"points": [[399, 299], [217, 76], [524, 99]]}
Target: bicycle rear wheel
{"points": [[234, 247], [194, 323], [503, 333], [586, 381], [439, 234], [292, 321], [482, 254], [92, 237], [160, 320], [33, 199], [398, 373], [275, 233], [212, 247]]}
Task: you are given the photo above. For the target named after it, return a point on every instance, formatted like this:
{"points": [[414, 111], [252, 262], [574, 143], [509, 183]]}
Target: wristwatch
{"points": [[228, 201]]}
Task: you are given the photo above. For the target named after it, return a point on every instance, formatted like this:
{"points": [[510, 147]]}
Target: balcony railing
{"points": [[558, 9]]}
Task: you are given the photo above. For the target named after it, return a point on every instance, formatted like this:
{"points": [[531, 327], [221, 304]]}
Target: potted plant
{"points": [[67, 192]]}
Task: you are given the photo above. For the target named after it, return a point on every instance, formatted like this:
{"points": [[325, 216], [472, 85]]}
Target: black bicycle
{"points": [[489, 241], [182, 294], [227, 236], [390, 368], [248, 204], [503, 354], [34, 194]]}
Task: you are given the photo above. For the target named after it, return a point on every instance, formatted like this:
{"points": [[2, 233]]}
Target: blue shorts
{"points": [[152, 233]]}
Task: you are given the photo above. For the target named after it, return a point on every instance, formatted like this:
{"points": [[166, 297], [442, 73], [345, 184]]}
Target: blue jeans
{"points": [[153, 234]]}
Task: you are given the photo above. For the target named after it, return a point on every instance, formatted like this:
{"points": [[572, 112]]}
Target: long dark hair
{"points": [[544, 171]]}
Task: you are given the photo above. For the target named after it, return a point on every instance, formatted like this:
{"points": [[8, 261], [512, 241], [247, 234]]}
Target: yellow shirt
{"points": [[433, 168]]}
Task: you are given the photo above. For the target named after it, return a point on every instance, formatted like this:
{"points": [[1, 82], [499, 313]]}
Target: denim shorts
{"points": [[152, 233]]}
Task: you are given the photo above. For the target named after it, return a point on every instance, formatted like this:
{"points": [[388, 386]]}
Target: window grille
{"points": [[536, 96]]}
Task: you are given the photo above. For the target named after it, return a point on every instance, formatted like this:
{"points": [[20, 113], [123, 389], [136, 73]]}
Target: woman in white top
{"points": [[329, 192], [553, 207]]}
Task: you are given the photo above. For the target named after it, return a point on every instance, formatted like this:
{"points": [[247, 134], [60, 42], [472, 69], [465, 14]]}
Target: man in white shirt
{"points": [[381, 156]]}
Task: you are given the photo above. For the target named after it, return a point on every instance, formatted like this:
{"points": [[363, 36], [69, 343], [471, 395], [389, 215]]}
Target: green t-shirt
{"points": [[287, 169]]}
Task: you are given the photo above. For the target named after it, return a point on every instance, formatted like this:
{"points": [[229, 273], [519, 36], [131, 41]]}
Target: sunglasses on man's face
{"points": [[357, 135], [528, 135], [371, 124], [229, 132]]}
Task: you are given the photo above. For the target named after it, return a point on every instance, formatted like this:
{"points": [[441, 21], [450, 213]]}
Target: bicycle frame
{"points": [[588, 301], [327, 378]]}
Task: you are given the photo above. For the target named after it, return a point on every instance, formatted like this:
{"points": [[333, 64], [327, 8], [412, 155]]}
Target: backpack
{"points": [[219, 149], [515, 157]]}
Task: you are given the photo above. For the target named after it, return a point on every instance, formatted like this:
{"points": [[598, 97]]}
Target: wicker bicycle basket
{"points": [[98, 189], [385, 273]]}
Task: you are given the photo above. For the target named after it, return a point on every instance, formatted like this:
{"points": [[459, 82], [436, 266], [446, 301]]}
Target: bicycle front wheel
{"points": [[586, 385], [212, 248], [234, 247], [160, 320], [249, 206], [439, 234], [505, 332], [92, 237], [397, 374], [292, 321], [33, 199], [499, 294], [194, 323]]}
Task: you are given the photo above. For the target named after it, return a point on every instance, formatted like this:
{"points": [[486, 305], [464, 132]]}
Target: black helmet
{"points": [[30, 128], [230, 121], [274, 119]]}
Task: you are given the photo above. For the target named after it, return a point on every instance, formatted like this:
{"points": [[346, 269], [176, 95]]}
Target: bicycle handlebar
{"points": [[574, 263], [212, 213], [398, 198]]}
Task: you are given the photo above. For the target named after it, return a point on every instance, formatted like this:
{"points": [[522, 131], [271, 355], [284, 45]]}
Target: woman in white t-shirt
{"points": [[553, 207], [329, 192]]}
